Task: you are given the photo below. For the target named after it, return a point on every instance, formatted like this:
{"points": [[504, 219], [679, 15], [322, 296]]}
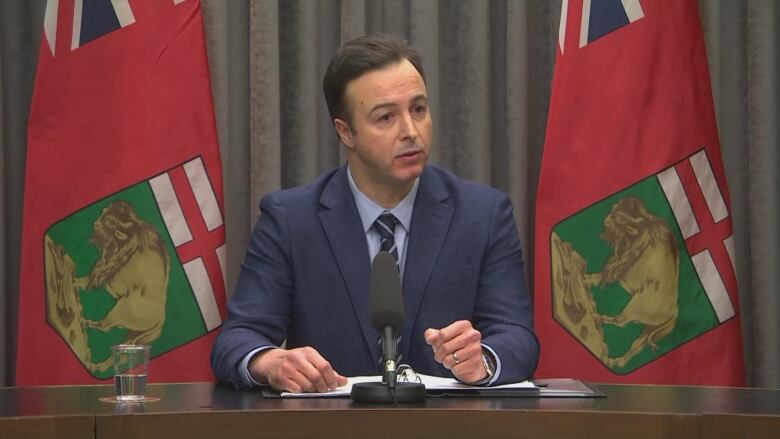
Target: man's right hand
{"points": [[295, 370]]}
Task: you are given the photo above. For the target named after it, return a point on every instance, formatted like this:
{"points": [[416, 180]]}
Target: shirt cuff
{"points": [[495, 376], [243, 368]]}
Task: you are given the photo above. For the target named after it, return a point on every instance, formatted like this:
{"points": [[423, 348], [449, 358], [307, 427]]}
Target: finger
{"points": [[468, 366], [289, 379], [444, 354], [305, 365], [446, 334], [287, 385], [464, 354], [294, 367], [325, 370], [470, 371], [300, 380], [467, 342], [455, 329], [436, 337], [431, 335]]}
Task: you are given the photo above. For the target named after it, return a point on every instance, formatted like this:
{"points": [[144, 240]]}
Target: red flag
{"points": [[635, 278], [123, 234]]}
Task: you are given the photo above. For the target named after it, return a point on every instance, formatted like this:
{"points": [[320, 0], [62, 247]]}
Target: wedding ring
{"points": [[455, 356]]}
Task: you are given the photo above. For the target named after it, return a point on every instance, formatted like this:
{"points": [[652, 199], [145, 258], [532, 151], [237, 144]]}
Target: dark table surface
{"points": [[215, 410]]}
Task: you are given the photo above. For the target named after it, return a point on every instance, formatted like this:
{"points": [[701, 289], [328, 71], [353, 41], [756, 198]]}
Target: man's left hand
{"points": [[457, 347]]}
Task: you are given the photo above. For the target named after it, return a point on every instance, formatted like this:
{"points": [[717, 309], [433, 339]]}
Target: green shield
{"points": [[623, 283], [113, 276]]}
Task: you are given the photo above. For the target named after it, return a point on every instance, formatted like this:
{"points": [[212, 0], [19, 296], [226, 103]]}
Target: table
{"points": [[210, 410]]}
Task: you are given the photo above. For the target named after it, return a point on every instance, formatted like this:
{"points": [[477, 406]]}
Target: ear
{"points": [[344, 132], [120, 235]]}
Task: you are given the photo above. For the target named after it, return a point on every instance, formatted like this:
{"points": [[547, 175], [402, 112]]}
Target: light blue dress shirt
{"points": [[369, 211]]}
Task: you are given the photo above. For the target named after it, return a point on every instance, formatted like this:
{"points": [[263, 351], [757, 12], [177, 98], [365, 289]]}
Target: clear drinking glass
{"points": [[131, 366]]}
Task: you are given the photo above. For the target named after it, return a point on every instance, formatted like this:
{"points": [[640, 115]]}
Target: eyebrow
{"points": [[417, 98]]}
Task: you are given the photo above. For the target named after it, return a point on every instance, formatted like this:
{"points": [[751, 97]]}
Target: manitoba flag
{"points": [[123, 234], [635, 271]]}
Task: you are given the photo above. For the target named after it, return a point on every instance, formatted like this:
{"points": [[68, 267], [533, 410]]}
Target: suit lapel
{"points": [[342, 225], [430, 220]]}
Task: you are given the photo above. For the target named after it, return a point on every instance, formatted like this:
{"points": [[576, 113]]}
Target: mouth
{"points": [[411, 156]]}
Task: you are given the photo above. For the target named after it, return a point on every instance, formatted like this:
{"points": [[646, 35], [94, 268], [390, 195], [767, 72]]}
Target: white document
{"points": [[431, 383]]}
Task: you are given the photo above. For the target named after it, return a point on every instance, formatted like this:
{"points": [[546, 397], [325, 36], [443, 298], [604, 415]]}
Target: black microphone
{"points": [[386, 305]]}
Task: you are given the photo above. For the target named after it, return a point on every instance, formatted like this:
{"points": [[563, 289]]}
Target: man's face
{"points": [[388, 143]]}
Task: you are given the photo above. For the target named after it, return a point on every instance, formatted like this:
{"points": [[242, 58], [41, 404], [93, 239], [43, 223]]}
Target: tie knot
{"points": [[385, 225]]}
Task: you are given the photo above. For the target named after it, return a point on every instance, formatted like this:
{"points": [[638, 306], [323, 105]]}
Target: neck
{"points": [[385, 194]]}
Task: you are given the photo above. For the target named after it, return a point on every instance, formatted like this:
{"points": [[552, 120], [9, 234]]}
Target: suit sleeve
{"points": [[504, 313], [258, 312]]}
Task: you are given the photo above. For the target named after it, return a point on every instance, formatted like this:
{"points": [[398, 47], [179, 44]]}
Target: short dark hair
{"points": [[361, 55]]}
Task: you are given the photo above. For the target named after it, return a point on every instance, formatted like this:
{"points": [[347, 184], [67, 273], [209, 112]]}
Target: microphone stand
{"points": [[390, 375], [389, 391]]}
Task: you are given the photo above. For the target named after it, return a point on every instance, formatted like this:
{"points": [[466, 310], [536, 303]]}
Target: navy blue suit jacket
{"points": [[305, 278]]}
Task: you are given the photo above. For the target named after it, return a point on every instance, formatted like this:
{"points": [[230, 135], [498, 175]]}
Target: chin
{"points": [[411, 173]]}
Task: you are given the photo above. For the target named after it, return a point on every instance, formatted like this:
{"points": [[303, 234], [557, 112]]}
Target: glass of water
{"points": [[131, 366]]}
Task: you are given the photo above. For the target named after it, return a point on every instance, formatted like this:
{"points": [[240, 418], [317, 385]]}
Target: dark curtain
{"points": [[488, 67]]}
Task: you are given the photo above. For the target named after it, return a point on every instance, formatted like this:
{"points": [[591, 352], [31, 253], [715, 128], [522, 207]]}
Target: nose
{"points": [[408, 129]]}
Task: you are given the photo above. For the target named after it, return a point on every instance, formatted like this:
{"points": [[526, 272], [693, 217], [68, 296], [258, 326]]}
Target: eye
{"points": [[419, 110], [386, 117]]}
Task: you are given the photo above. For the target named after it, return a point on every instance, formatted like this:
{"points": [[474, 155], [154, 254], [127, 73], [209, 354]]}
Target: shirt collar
{"points": [[369, 211]]}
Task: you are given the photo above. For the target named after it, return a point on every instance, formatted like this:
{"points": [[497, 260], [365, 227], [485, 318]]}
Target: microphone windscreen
{"points": [[385, 300]]}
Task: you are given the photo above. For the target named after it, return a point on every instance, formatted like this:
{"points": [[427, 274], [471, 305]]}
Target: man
{"points": [[305, 277]]}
